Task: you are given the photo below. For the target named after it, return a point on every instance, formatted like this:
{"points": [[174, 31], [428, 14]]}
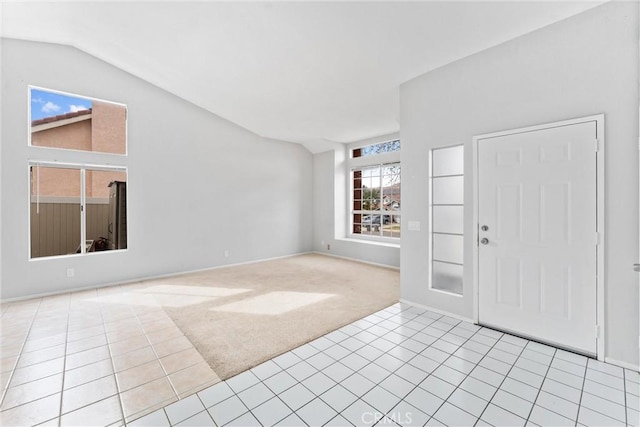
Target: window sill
{"points": [[369, 242]]}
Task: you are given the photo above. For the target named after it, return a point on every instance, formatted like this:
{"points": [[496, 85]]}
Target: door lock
{"points": [[484, 241], [484, 228]]}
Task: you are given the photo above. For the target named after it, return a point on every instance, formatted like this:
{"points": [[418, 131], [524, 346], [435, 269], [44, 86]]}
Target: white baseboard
{"points": [[376, 264], [437, 310], [621, 364], [141, 279]]}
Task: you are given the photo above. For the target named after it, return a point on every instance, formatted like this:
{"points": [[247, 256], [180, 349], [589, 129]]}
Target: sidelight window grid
{"points": [[446, 225]]}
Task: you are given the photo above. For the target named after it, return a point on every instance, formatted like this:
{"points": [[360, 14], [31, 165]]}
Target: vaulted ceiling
{"points": [[307, 72]]}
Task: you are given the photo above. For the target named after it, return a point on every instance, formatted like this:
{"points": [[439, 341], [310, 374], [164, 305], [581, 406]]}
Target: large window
{"points": [[72, 122], [76, 208], [376, 196], [447, 219]]}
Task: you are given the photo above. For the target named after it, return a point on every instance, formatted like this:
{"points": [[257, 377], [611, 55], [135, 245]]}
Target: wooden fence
{"points": [[55, 227]]}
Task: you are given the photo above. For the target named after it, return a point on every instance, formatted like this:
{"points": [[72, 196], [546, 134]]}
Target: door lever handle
{"points": [[485, 241]]}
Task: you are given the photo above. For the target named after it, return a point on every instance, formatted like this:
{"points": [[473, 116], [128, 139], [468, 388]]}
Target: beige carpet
{"points": [[238, 317]]}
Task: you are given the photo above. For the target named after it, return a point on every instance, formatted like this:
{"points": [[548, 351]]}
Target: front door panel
{"points": [[537, 266]]}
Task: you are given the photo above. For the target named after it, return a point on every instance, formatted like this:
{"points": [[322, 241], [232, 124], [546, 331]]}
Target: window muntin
{"points": [[72, 122], [447, 219], [376, 201]]}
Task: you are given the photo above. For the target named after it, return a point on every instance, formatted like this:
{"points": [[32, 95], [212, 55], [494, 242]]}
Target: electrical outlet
{"points": [[226, 253], [328, 246], [71, 272]]}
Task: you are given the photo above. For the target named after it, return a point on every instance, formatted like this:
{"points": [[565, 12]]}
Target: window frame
{"points": [[73, 150], [82, 160], [82, 168], [431, 233], [380, 160]]}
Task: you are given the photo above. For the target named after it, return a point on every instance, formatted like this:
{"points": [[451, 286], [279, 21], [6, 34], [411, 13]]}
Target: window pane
{"points": [[370, 225], [391, 225], [55, 211], [372, 150], [447, 277], [371, 199], [66, 121], [448, 161], [448, 191], [377, 188], [448, 219], [106, 218], [369, 171], [391, 191], [447, 247], [447, 210]]}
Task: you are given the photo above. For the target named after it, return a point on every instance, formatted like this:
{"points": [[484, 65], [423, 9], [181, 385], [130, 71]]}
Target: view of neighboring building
{"points": [[55, 190]]}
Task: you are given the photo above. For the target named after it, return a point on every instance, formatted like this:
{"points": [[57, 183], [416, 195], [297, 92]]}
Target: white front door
{"points": [[537, 239]]}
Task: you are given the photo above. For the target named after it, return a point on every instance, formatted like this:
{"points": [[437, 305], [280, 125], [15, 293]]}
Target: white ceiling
{"points": [[307, 72]]}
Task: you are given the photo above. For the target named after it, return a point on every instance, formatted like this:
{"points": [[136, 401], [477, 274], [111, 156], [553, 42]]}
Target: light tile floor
{"points": [[93, 358], [406, 366], [81, 361]]}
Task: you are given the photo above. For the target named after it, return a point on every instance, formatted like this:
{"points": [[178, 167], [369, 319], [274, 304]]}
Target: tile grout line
{"points": [[298, 382], [64, 362], [391, 355], [166, 375], [369, 362], [453, 326], [605, 385], [113, 367], [501, 382], [442, 364], [545, 377], [319, 351], [373, 361], [404, 362], [540, 389], [469, 374], [624, 394], [20, 352], [425, 326], [584, 380], [369, 325], [201, 402], [466, 375]]}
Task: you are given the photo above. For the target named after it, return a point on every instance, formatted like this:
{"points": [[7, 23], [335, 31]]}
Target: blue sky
{"points": [[47, 104]]}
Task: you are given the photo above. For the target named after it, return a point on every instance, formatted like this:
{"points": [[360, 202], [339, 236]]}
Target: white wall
{"points": [[585, 65], [330, 205], [198, 185]]}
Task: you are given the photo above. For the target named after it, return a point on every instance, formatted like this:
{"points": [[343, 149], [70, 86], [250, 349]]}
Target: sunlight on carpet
{"points": [[240, 316], [274, 303]]}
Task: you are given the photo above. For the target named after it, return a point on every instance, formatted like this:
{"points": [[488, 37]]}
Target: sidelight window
{"points": [[447, 218]]}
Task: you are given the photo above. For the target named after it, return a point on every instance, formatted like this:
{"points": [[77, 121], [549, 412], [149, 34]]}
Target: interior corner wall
{"points": [[198, 184], [330, 186], [584, 65]]}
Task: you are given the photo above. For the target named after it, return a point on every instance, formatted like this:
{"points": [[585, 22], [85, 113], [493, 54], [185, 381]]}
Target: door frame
{"points": [[599, 146]]}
